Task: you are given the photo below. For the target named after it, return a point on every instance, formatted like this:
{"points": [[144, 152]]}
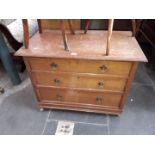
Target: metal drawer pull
{"points": [[101, 84], [99, 99], [103, 68], [59, 97], [54, 66], [56, 81]]}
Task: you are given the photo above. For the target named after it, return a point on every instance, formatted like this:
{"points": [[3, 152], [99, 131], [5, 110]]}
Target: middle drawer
{"points": [[80, 80]]}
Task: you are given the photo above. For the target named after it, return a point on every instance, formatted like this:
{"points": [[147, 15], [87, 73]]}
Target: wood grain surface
{"points": [[81, 66], [84, 46], [55, 23], [79, 96], [81, 81]]}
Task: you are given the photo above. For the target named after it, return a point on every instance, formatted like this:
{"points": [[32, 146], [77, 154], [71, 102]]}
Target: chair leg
{"points": [[71, 27], [110, 28], [26, 33], [87, 25], [64, 35], [39, 25], [133, 27], [139, 25]]}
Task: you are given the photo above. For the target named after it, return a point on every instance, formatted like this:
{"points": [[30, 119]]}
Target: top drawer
{"points": [[80, 66]]}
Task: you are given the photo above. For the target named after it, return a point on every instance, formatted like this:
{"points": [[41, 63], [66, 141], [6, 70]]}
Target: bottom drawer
{"points": [[81, 97]]}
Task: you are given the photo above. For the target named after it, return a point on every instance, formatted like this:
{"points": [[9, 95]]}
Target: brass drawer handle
{"points": [[54, 66], [99, 100], [56, 81], [101, 84], [59, 97], [103, 68]]}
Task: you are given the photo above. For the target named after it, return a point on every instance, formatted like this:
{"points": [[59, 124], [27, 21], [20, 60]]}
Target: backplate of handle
{"points": [[99, 99], [103, 68], [54, 66], [56, 81], [59, 97], [101, 84]]}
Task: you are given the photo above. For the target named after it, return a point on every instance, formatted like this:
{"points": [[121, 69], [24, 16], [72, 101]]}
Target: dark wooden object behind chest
{"points": [[146, 39]]}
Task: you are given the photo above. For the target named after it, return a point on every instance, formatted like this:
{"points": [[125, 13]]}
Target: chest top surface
{"points": [[92, 45]]}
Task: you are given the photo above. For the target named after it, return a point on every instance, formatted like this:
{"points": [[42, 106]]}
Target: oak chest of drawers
{"points": [[82, 79]]}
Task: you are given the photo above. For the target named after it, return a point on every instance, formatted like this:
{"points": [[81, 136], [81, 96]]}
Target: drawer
{"points": [[83, 97], [87, 81], [81, 66]]}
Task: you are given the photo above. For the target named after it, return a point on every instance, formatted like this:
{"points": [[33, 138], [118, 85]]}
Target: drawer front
{"points": [[79, 81], [83, 97], [81, 66]]}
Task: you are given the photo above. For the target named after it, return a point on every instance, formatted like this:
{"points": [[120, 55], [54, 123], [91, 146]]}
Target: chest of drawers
{"points": [[82, 79]]}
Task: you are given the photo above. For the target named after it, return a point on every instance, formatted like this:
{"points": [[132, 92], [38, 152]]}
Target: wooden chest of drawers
{"points": [[83, 79]]}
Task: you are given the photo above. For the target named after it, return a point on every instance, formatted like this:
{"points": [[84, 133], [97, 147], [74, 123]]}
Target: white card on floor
{"points": [[65, 128]]}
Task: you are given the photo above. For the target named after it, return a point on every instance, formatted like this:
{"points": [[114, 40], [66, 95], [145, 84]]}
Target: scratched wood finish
{"points": [[91, 46], [81, 66]]}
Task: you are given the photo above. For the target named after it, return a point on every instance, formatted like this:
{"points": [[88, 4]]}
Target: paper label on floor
{"points": [[65, 128]]}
